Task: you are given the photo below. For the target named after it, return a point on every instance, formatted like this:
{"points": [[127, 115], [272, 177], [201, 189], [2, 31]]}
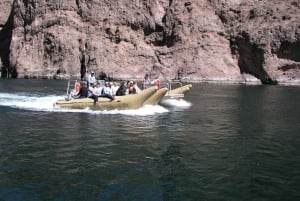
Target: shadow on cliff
{"points": [[5, 41], [251, 58]]}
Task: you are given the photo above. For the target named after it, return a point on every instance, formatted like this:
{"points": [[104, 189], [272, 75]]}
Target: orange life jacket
{"points": [[77, 86]]}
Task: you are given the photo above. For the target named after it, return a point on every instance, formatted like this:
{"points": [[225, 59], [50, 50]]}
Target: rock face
{"points": [[204, 40], [265, 35], [5, 9]]}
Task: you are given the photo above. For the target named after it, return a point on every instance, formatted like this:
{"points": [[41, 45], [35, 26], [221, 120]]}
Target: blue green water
{"points": [[222, 142]]}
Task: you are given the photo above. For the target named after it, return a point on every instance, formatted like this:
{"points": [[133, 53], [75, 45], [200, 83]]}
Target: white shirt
{"points": [[91, 79]]}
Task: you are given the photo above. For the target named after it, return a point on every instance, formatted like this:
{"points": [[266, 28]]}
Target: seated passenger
{"points": [[98, 89], [91, 87], [74, 93], [122, 90], [106, 92], [85, 92], [114, 87], [131, 88], [137, 89]]}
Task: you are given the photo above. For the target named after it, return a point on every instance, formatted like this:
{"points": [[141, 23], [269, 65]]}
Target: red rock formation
{"points": [[206, 40]]}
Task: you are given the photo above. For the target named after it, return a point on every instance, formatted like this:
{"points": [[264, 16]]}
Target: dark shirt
{"points": [[83, 92], [122, 90]]}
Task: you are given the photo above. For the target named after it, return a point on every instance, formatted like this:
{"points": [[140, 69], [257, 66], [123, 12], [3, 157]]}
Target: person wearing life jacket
{"points": [[77, 87], [131, 88], [158, 83]]}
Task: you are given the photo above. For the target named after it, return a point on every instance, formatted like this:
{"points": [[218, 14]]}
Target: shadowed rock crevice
{"points": [[77, 4], [160, 38], [289, 50], [53, 50], [30, 11], [290, 67], [251, 58], [5, 41]]}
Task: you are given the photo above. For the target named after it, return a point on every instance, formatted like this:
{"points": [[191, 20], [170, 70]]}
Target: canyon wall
{"points": [[204, 40]]}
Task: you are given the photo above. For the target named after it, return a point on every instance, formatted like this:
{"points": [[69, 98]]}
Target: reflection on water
{"points": [[232, 143]]}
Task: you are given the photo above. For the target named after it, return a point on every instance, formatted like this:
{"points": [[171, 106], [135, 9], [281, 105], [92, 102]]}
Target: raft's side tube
{"points": [[156, 97]]}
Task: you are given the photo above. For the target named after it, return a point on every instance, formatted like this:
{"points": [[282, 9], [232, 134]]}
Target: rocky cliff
{"points": [[204, 40]]}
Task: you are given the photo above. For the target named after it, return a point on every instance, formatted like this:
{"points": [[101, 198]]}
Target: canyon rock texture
{"points": [[197, 40]]}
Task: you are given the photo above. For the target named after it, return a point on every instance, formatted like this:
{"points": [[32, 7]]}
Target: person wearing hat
{"points": [[92, 78]]}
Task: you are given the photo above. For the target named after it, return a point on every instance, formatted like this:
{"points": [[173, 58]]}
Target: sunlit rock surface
{"points": [[204, 40]]}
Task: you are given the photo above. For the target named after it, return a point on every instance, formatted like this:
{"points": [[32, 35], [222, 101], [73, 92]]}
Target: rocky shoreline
{"points": [[246, 81], [218, 41]]}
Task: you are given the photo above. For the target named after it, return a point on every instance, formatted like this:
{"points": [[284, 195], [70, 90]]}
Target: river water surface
{"points": [[222, 142]]}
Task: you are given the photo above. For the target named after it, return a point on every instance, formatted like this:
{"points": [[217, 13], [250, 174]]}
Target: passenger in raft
{"points": [[97, 90], [74, 93], [122, 90], [106, 91], [137, 89], [131, 88], [114, 87], [85, 92]]}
